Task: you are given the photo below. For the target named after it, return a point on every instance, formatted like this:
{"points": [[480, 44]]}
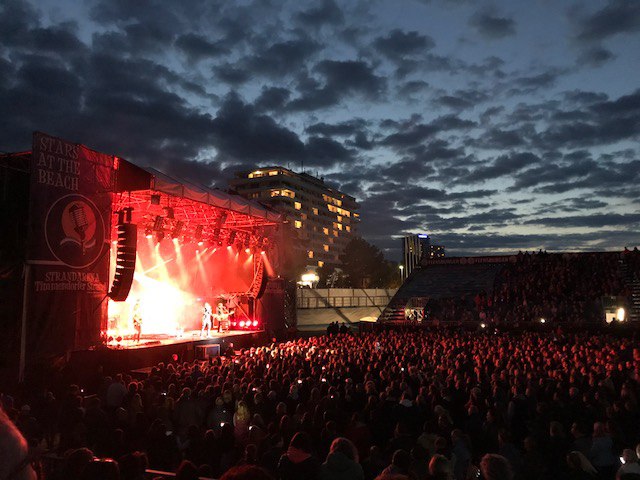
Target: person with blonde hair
{"points": [[241, 420]]}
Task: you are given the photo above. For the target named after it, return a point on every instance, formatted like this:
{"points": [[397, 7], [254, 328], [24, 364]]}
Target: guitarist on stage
{"points": [[222, 315], [137, 321]]}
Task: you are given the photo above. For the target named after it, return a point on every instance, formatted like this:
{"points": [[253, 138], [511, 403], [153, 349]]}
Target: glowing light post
{"points": [[309, 279], [401, 267]]}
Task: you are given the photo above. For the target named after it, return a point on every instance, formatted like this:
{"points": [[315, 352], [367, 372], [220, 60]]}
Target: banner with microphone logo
{"points": [[68, 243]]}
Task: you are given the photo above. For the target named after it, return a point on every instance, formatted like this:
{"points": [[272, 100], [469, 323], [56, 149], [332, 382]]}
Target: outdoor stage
{"points": [[192, 336], [152, 349], [112, 250]]}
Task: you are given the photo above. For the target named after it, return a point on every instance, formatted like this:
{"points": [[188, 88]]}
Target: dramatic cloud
{"points": [[399, 44], [464, 124], [492, 26], [617, 17]]}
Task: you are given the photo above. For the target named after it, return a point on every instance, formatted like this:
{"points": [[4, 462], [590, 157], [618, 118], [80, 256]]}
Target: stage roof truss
{"points": [[192, 213]]}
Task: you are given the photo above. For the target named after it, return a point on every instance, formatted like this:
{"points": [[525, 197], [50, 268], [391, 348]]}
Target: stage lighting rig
{"points": [[198, 235], [169, 212], [232, 237], [128, 211], [177, 229], [158, 223]]}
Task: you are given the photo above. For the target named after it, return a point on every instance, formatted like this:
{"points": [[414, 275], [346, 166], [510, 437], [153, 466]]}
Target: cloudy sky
{"points": [[493, 126]]}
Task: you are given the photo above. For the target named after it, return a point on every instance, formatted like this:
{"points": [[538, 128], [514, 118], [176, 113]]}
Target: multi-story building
{"points": [[416, 249], [324, 218]]}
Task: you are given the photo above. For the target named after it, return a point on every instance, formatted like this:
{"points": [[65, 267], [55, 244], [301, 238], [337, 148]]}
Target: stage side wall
{"points": [[343, 297], [317, 308]]}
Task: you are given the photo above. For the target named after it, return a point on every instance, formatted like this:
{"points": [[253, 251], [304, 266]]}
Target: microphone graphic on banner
{"points": [[79, 219], [76, 218]]}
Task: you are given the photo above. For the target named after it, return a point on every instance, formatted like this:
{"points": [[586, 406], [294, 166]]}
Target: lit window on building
{"points": [[320, 263], [339, 225], [325, 230], [315, 211], [273, 173], [256, 174], [297, 224], [310, 253], [339, 218], [297, 205], [283, 193], [331, 200], [335, 233], [326, 248], [348, 228]]}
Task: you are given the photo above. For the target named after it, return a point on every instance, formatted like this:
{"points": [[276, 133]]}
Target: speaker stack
{"points": [[125, 261]]}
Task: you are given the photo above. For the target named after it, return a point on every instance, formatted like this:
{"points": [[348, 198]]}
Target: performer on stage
{"points": [[137, 321], [222, 315], [206, 319]]}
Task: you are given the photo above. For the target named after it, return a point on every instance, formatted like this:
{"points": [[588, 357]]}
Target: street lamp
{"points": [[401, 267]]}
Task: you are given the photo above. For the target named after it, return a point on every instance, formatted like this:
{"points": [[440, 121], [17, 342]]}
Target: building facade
{"points": [[323, 218], [416, 249]]}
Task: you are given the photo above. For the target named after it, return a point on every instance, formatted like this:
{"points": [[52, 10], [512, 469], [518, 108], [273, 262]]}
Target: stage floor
{"points": [[190, 336]]}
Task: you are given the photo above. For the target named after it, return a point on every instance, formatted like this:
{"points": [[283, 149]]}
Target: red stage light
{"points": [[255, 323], [246, 250], [262, 252], [200, 243], [241, 323]]}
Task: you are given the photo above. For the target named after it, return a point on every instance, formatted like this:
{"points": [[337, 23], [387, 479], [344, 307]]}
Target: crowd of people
{"points": [[393, 404], [556, 287]]}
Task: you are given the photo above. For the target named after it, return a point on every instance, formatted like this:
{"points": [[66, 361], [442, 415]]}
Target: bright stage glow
{"points": [[172, 282], [620, 314]]}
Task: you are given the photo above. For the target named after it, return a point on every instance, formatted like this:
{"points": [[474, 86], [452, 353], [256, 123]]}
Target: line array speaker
{"points": [[125, 261]]}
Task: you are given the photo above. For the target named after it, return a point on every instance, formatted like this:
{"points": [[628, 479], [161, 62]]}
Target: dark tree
{"points": [[365, 266]]}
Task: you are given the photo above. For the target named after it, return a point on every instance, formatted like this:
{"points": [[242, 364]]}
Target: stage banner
{"points": [[68, 245]]}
